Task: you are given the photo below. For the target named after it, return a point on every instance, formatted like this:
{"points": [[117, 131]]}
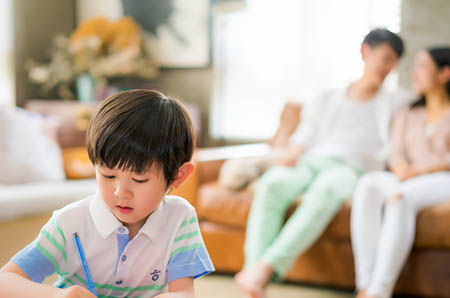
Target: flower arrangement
{"points": [[99, 48]]}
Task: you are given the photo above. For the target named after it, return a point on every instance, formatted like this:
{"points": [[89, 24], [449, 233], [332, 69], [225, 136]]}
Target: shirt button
{"points": [[124, 258], [118, 282]]}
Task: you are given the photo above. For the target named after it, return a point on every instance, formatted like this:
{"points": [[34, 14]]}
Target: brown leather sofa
{"points": [[329, 262]]}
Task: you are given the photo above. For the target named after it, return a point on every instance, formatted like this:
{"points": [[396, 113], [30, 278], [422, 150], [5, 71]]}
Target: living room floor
{"points": [[222, 286]]}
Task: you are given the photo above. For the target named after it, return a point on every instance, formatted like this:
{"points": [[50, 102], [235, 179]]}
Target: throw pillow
{"points": [[28, 153]]}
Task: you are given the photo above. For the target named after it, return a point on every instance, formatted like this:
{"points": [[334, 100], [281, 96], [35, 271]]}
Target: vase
{"points": [[85, 85]]}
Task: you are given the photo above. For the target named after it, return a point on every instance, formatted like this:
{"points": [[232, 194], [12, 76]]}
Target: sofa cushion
{"points": [[77, 164], [432, 228], [221, 206], [27, 151], [18, 200]]}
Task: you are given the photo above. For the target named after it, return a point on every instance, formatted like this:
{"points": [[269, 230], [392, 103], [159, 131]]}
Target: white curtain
{"points": [[7, 81], [274, 51]]}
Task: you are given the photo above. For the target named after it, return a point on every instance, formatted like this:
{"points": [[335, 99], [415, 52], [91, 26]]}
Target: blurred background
{"points": [[234, 58]]}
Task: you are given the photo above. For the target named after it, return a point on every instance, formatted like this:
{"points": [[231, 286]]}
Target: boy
{"points": [[138, 241], [341, 135]]}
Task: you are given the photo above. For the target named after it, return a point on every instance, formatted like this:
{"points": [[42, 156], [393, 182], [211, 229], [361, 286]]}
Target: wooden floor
{"points": [[222, 286]]}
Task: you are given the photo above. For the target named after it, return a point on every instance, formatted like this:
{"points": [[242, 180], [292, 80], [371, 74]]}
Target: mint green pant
{"points": [[325, 184]]}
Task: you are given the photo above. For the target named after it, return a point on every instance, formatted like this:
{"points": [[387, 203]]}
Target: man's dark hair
{"points": [[382, 35], [134, 129]]}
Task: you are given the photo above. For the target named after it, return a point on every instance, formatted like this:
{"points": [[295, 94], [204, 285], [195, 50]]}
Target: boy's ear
{"points": [[183, 173]]}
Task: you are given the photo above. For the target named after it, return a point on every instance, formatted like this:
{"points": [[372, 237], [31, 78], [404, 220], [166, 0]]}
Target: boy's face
{"points": [[129, 196], [379, 61]]}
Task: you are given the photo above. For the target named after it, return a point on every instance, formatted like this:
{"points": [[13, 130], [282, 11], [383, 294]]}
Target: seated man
{"points": [[342, 134]]}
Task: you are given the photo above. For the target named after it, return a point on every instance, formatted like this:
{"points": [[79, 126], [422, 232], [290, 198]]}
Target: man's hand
{"points": [[291, 156]]}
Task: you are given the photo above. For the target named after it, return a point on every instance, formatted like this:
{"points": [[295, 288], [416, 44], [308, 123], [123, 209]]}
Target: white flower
{"points": [[39, 74]]}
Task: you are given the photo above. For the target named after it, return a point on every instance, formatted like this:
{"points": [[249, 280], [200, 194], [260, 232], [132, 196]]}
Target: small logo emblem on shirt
{"points": [[155, 275]]}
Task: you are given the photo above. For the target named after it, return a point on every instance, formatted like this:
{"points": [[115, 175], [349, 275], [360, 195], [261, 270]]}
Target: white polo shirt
{"points": [[169, 246]]}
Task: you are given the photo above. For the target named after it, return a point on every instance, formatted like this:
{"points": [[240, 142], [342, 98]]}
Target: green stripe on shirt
{"points": [[59, 230], [188, 222], [186, 236], [49, 257], [122, 289], [186, 248], [53, 241]]}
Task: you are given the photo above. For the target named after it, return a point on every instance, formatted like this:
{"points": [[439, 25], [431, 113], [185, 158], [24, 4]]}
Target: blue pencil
{"points": [[84, 264]]}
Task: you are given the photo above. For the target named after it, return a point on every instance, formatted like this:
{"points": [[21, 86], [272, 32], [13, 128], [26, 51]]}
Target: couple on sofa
{"points": [[344, 135]]}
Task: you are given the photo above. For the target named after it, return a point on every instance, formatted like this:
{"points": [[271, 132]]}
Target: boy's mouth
{"points": [[124, 209]]}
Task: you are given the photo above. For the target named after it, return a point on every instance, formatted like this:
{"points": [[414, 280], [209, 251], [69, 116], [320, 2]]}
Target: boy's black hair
{"points": [[381, 35], [135, 129]]}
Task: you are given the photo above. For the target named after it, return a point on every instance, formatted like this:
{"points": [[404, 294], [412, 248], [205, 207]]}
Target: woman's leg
{"points": [[321, 202], [370, 195], [397, 234]]}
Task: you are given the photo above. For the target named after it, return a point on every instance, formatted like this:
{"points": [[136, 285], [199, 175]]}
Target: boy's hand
{"points": [[180, 288], [75, 292]]}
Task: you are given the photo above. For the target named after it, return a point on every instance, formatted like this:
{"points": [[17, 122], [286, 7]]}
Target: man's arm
{"points": [[14, 283], [289, 120], [180, 288]]}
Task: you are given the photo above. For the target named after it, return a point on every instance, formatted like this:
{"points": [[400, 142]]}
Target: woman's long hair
{"points": [[441, 57]]}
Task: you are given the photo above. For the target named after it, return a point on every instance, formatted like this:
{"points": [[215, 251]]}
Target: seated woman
{"points": [[386, 204]]}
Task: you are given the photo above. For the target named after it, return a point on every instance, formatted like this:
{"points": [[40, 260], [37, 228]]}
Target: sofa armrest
{"points": [[209, 160], [207, 163]]}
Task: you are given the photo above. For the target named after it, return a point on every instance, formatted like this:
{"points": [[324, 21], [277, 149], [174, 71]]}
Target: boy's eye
{"points": [[140, 181], [108, 176]]}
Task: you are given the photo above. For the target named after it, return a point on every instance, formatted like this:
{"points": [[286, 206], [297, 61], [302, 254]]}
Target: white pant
{"points": [[382, 240]]}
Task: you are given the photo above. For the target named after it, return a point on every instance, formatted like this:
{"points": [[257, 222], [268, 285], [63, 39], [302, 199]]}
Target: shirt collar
{"points": [[106, 223], [155, 222]]}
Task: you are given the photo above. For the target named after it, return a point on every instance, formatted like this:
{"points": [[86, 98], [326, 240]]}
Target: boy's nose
{"points": [[122, 191]]}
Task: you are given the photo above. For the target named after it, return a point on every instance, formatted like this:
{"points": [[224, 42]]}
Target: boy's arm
{"points": [[180, 288], [14, 282]]}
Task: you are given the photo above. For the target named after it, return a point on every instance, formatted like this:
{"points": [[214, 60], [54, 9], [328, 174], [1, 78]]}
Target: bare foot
{"points": [[363, 294], [252, 281]]}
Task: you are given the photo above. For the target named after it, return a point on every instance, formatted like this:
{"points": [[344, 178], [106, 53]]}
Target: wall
{"points": [[424, 24], [190, 85], [36, 22], [193, 86]]}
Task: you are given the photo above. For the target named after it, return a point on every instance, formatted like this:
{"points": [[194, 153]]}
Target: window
{"points": [[7, 86], [274, 51]]}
